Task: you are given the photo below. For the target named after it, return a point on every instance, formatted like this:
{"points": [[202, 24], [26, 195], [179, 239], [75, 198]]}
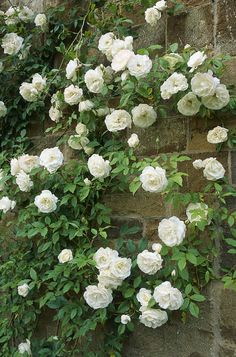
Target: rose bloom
{"points": [[213, 170], [161, 5], [218, 100], [196, 60], [104, 256], [51, 159], [157, 247], [108, 280], [144, 296], [65, 256], [6, 204], [121, 267], [189, 105], [55, 114], [173, 59], [118, 120], [25, 14], [28, 162], [119, 45], [15, 168], [11, 14], [121, 59], [168, 297], [143, 115], [72, 68], [149, 262], [153, 317], [23, 290], [24, 182], [3, 110], [94, 80], [40, 21], [175, 83], [204, 84], [81, 129], [196, 212], [39, 82], [139, 65], [217, 135], [98, 167], [28, 92], [152, 16], [198, 164], [133, 141], [24, 347], [153, 179], [98, 297], [85, 106], [46, 202], [105, 42], [172, 231], [125, 319], [78, 142], [12, 43], [73, 94]]}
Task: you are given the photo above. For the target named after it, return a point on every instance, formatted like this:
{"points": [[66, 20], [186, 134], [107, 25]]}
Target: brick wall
{"points": [[208, 23]]}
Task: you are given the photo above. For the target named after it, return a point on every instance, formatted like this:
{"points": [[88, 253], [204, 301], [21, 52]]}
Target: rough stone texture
{"points": [[226, 26]]}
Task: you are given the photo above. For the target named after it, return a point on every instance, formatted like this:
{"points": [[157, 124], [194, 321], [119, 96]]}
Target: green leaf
{"points": [[198, 297], [194, 309], [137, 282], [128, 292], [182, 264], [33, 274]]}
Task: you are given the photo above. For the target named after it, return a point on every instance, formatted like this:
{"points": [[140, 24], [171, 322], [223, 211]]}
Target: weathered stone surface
{"points": [[148, 35], [228, 315], [194, 27], [226, 26], [233, 167], [229, 76], [195, 3]]}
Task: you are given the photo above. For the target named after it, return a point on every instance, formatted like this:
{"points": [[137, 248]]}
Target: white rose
{"points": [[218, 100], [51, 159], [189, 105], [24, 347], [168, 297], [39, 82], [172, 231], [118, 120], [104, 256], [144, 296], [40, 21], [125, 319], [94, 80], [26, 14], [108, 280], [139, 65], [29, 92], [175, 83], [12, 43], [78, 142], [133, 141], [85, 106], [217, 135], [87, 182], [157, 247], [98, 297], [152, 15], [23, 181], [149, 262], [121, 59], [161, 5], [196, 212], [198, 164], [15, 168], [124, 76], [143, 115], [56, 100], [98, 167], [6, 204], [121, 267], [46, 202], [3, 110], [153, 317], [72, 68], [81, 129], [153, 179], [65, 256], [73, 94], [28, 162], [55, 114], [105, 42], [213, 170], [12, 15], [23, 290], [204, 84], [119, 45], [196, 60]]}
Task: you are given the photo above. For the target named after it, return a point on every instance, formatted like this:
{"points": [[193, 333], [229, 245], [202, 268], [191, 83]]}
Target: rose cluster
{"points": [[80, 140], [31, 91], [213, 170], [153, 14]]}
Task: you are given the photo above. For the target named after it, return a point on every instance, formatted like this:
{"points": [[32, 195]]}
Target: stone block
{"points": [[148, 35], [229, 77], [194, 27], [228, 315], [226, 26], [195, 3]]}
